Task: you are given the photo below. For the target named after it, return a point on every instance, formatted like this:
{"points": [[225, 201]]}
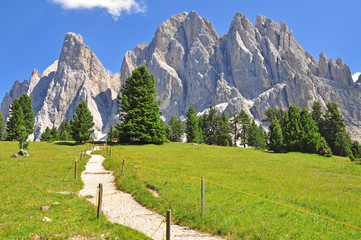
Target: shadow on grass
{"points": [[68, 143]]}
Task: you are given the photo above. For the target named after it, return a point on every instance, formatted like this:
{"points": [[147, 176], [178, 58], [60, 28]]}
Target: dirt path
{"points": [[120, 207]]}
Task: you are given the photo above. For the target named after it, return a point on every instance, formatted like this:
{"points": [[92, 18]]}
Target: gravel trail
{"points": [[120, 207]]}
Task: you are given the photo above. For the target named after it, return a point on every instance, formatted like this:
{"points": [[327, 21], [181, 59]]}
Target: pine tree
{"points": [[335, 130], [210, 126], [274, 113], [245, 122], [139, 110], [223, 138], [16, 120], [317, 116], [291, 129], [176, 128], [257, 136], [2, 127], [26, 105], [64, 136], [55, 134], [111, 134], [65, 131], [261, 137], [22, 136], [192, 127], [80, 127], [356, 149], [275, 137], [234, 122], [46, 135]]}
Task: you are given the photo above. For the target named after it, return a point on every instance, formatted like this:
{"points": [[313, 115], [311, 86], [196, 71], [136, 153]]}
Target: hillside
{"points": [[250, 194]]}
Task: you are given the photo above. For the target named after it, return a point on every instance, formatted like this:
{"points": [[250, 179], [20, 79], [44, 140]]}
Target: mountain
{"points": [[252, 67], [77, 76]]}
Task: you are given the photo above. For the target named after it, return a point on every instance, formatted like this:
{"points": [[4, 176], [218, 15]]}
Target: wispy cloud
{"points": [[114, 7]]}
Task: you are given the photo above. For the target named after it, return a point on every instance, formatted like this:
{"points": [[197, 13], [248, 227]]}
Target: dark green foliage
{"points": [[245, 122], [80, 127], [16, 120], [275, 137], [192, 127], [26, 105], [274, 113], [65, 131], [257, 136], [111, 133], [311, 140], [55, 134], [210, 126], [335, 130], [356, 149], [223, 138], [234, 124], [139, 111], [46, 135], [175, 129], [342, 144], [22, 136], [2, 127], [317, 116], [292, 129]]}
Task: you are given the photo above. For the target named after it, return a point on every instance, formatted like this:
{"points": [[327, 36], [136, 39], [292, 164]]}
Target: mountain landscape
{"points": [[252, 67]]}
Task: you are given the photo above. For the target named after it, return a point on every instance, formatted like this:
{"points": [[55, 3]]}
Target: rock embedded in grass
{"points": [[24, 153]]}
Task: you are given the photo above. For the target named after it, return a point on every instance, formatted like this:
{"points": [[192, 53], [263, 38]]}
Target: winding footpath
{"points": [[120, 207]]}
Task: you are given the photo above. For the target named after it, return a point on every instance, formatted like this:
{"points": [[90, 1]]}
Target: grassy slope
{"points": [[330, 187], [27, 184]]}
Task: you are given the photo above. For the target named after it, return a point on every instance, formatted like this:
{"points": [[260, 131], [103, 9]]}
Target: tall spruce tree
{"points": [[257, 136], [245, 122], [275, 137], [2, 127], [55, 134], [223, 138], [46, 135], [139, 110], [176, 127], [15, 121], [274, 113], [234, 123], [80, 127], [111, 133], [291, 130], [210, 126], [65, 131], [192, 126], [26, 105]]}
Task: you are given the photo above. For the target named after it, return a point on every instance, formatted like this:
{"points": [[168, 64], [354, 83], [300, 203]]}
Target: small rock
{"points": [[56, 203], [195, 144], [45, 208], [46, 219], [14, 155], [24, 153]]}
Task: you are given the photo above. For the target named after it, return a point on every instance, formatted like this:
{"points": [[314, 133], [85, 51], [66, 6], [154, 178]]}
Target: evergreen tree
{"points": [[111, 132], [274, 113], [80, 127], [22, 136], [257, 136], [235, 122], [16, 120], [356, 149], [210, 126], [192, 127], [139, 111], [311, 140], [65, 131], [55, 134], [223, 138], [261, 137], [26, 105], [335, 130], [2, 127], [275, 137], [176, 129], [46, 135], [64, 136], [291, 129], [245, 122]]}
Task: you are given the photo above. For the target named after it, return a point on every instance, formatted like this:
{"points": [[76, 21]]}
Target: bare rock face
{"points": [[252, 67], [77, 76], [17, 89]]}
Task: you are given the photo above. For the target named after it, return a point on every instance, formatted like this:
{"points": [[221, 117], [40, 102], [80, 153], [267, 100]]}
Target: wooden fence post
{"points": [[100, 200], [202, 195], [75, 169], [84, 152], [168, 218], [123, 165], [81, 154], [110, 153]]}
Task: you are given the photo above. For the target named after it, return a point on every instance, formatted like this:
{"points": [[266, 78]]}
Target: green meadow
{"points": [[27, 184], [257, 194]]}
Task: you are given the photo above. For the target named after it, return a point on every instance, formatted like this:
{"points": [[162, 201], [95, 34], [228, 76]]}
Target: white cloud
{"points": [[114, 7], [356, 76]]}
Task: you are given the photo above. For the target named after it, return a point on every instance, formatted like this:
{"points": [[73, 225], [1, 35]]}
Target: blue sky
{"points": [[32, 31]]}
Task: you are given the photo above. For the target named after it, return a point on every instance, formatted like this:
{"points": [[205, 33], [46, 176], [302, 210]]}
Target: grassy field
{"points": [[27, 184], [330, 187]]}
